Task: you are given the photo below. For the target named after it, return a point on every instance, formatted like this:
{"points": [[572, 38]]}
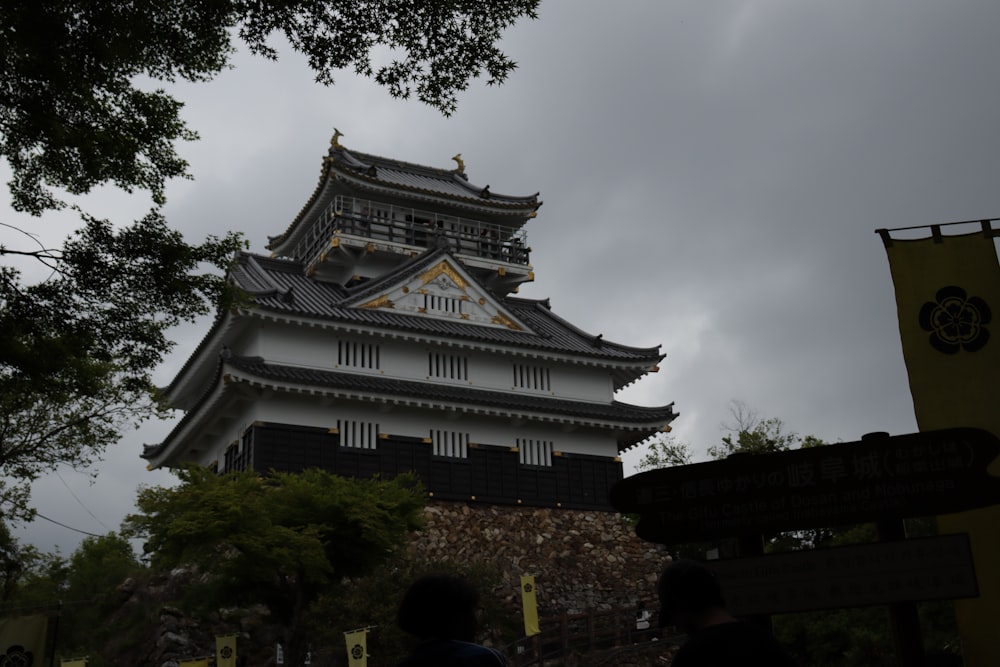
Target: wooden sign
{"points": [[930, 568], [919, 474]]}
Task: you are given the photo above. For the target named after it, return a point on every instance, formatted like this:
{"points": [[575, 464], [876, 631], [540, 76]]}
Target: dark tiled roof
{"points": [[370, 288], [615, 411], [281, 286], [376, 172], [420, 178], [151, 450]]}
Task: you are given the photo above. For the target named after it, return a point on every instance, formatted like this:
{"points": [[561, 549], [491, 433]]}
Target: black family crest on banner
{"points": [[956, 321]]}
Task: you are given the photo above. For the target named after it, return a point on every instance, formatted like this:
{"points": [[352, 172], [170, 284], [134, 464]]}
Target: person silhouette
{"points": [[440, 611], [691, 599]]}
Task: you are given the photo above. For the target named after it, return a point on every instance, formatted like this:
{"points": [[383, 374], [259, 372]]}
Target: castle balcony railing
{"points": [[381, 221]]}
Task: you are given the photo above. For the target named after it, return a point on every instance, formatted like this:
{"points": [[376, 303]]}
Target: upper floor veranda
{"points": [[355, 236]]}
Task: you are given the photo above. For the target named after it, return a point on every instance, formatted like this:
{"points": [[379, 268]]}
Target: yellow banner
{"points": [[73, 662], [530, 605], [195, 662], [225, 651], [948, 303], [357, 648], [22, 639]]}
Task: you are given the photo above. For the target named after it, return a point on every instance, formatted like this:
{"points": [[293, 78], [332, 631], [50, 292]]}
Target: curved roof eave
{"points": [[473, 202], [615, 415], [544, 306], [399, 172], [160, 454], [318, 200], [626, 367], [194, 369]]}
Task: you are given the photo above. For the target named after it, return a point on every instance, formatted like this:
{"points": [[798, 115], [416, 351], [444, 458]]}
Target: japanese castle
{"points": [[382, 336]]}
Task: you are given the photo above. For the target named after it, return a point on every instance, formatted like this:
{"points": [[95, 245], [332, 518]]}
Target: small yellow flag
{"points": [[195, 662], [530, 605], [357, 648], [22, 639], [74, 662], [225, 651]]}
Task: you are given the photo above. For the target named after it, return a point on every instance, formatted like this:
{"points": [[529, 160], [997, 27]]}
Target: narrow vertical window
{"points": [[528, 376], [447, 366], [450, 443], [353, 354], [445, 305], [357, 434], [534, 452]]}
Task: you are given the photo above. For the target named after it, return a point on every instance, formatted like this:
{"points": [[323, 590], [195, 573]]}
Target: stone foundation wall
{"points": [[581, 560]]}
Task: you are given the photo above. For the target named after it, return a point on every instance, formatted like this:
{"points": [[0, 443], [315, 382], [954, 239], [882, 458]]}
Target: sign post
{"points": [[857, 575], [879, 479], [918, 474]]}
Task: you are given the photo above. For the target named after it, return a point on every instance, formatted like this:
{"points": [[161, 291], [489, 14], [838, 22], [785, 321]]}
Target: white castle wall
{"points": [[316, 348]]}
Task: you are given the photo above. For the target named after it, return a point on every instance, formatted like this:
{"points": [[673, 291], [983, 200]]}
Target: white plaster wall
{"points": [[585, 382], [297, 345], [317, 348], [250, 341]]}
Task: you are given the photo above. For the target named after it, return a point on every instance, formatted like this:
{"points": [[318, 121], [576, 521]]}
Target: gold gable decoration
{"points": [[502, 319], [446, 269], [380, 302]]}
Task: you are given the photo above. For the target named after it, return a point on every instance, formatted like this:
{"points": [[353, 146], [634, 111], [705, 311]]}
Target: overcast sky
{"points": [[712, 174]]}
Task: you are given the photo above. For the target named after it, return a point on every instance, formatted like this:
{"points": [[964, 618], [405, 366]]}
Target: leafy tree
{"points": [[77, 350], [278, 541], [82, 590], [99, 565], [74, 112], [41, 580], [749, 433], [11, 563], [93, 575], [663, 452], [90, 575]]}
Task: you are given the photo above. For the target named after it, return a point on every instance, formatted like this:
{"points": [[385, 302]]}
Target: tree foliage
{"points": [[665, 451], [77, 350], [74, 113], [15, 560], [84, 589], [749, 433], [279, 540]]}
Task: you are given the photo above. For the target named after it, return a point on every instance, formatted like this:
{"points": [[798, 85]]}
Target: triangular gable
{"points": [[442, 290]]}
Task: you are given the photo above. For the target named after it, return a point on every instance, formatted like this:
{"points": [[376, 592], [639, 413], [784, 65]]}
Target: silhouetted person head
{"points": [[690, 595], [691, 599], [440, 607]]}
